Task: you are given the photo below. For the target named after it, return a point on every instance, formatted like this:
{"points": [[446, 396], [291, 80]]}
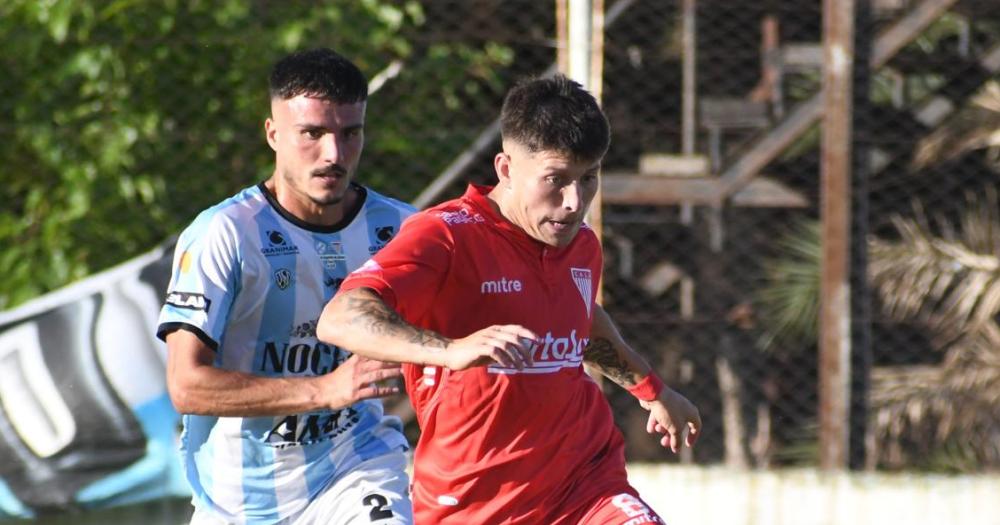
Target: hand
{"points": [[358, 378], [507, 345], [675, 417]]}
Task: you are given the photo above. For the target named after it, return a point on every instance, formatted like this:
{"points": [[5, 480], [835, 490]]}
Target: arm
{"points": [[359, 320], [670, 413], [196, 386]]}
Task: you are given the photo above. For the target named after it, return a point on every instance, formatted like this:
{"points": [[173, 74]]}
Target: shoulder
{"points": [[376, 200], [224, 222], [456, 214]]}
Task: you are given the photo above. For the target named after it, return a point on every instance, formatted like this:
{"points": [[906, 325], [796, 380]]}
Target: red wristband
{"points": [[648, 389]]}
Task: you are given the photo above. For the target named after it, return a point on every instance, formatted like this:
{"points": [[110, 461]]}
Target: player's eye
{"points": [[313, 133]]}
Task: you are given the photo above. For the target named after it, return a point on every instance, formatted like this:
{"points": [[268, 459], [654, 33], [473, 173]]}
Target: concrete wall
{"points": [[715, 495], [718, 496]]}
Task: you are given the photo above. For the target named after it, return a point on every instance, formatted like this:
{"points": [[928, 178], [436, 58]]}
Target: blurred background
{"points": [[740, 204]]}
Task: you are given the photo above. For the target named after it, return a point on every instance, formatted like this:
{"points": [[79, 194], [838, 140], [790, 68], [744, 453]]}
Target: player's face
{"points": [[546, 193], [317, 145]]}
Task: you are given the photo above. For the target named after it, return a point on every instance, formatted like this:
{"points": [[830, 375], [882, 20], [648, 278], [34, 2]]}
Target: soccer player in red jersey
{"points": [[489, 301]]}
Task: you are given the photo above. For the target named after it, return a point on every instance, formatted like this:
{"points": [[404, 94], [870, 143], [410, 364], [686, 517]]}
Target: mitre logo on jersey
{"points": [[330, 253], [501, 285], [581, 278], [189, 301], [277, 245]]}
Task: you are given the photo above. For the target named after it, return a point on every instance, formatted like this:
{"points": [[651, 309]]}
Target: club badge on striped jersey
{"points": [[283, 278], [581, 278], [330, 253]]}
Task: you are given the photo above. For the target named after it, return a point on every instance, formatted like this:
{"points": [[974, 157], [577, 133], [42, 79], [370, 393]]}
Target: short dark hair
{"points": [[555, 114], [321, 73]]}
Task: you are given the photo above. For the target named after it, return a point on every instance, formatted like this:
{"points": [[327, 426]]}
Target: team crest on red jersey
{"points": [[581, 278]]}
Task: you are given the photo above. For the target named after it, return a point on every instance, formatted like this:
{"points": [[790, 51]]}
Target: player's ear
{"points": [[501, 164], [271, 132]]}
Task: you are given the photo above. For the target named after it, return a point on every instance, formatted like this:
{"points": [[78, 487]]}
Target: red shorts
{"points": [[624, 508]]}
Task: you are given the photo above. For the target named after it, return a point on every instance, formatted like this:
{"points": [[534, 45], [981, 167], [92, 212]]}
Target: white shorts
{"points": [[374, 492]]}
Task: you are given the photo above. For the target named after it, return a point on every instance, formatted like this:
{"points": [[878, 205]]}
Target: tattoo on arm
{"points": [[378, 319], [601, 354]]}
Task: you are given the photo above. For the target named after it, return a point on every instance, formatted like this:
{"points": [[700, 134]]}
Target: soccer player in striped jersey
{"points": [[278, 426]]}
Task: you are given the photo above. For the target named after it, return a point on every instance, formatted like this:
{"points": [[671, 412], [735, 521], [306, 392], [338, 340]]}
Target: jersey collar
{"points": [[348, 217]]}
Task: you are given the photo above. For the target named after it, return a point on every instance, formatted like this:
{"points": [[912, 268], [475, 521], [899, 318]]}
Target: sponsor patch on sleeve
{"points": [[188, 300]]}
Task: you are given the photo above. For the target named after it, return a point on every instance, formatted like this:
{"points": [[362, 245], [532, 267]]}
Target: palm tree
{"points": [[975, 127], [944, 415]]}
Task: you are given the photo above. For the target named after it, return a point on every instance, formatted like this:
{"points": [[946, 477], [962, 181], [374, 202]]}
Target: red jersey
{"points": [[499, 445]]}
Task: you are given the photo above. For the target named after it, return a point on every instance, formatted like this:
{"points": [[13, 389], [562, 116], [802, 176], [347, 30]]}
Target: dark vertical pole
{"points": [[562, 36], [595, 85], [861, 327], [688, 75], [835, 192]]}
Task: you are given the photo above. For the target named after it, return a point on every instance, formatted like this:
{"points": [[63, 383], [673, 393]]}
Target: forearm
{"points": [[196, 386], [608, 352], [213, 391], [361, 322]]}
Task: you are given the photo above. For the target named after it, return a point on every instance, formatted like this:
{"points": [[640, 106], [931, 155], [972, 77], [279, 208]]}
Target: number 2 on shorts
{"points": [[377, 502]]}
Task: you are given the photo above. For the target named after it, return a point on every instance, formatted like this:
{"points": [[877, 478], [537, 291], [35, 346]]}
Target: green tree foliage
{"points": [[123, 119], [790, 298]]}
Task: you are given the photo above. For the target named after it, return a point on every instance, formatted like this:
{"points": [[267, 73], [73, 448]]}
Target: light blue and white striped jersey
{"points": [[251, 280]]}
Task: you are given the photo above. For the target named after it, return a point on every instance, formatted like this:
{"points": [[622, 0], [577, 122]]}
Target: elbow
{"points": [[329, 328], [180, 398], [183, 396]]}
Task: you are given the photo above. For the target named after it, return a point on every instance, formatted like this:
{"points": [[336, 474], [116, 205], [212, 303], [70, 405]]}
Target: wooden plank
{"points": [[669, 165], [885, 7], [627, 188], [732, 112], [762, 192], [771, 144], [906, 29], [835, 215], [802, 56]]}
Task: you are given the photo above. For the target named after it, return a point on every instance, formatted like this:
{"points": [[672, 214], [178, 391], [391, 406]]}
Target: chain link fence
{"points": [[721, 289], [717, 284]]}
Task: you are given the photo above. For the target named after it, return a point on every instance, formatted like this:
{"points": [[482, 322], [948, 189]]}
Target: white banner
{"points": [[85, 420]]}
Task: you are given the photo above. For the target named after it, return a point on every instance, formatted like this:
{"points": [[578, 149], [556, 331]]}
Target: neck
{"points": [[503, 207], [303, 208]]}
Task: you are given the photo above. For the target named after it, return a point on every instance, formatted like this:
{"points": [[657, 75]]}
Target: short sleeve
{"points": [[204, 280], [408, 272]]}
